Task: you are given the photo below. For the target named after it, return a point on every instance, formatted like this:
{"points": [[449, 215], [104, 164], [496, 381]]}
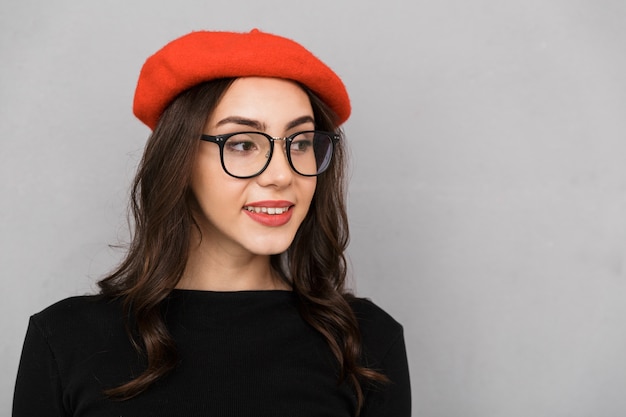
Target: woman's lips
{"points": [[270, 213]]}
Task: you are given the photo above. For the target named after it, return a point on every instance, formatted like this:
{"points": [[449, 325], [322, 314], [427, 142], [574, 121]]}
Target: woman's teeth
{"points": [[267, 210]]}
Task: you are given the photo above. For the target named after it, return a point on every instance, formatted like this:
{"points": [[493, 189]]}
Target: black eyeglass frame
{"points": [[220, 140]]}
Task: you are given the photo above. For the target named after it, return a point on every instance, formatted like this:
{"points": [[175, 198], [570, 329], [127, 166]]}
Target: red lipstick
{"points": [[270, 213]]}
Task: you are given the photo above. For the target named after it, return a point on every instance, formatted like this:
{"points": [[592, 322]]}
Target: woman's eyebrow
{"points": [[241, 121], [255, 124], [300, 121]]}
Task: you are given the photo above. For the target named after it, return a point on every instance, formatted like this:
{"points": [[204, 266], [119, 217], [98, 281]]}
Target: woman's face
{"points": [[259, 215]]}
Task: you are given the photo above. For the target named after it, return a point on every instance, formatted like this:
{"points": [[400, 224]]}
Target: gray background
{"points": [[488, 189]]}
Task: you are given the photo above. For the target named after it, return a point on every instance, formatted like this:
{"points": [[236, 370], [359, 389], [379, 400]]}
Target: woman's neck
{"points": [[212, 269]]}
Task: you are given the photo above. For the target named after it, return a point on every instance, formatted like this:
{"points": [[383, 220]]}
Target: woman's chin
{"points": [[267, 247]]}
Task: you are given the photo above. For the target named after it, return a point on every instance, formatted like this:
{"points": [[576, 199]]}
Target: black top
{"points": [[243, 353]]}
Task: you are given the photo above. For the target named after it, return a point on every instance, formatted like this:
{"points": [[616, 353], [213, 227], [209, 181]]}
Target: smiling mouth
{"points": [[267, 210]]}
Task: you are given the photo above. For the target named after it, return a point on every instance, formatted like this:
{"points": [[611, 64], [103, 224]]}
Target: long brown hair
{"points": [[162, 206]]}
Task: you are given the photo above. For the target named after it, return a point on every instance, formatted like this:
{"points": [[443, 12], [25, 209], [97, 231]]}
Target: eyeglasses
{"points": [[248, 154]]}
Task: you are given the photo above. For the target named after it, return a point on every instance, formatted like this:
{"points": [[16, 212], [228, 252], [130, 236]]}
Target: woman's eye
{"points": [[241, 146], [301, 145]]}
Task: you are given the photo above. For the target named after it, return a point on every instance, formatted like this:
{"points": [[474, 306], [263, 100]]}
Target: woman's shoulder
{"points": [[78, 312], [71, 306], [372, 317], [379, 330]]}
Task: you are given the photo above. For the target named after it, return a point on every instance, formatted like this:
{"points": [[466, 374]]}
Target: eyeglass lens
{"points": [[246, 154]]}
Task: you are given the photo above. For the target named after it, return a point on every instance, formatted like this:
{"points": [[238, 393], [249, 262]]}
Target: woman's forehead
{"points": [[270, 102]]}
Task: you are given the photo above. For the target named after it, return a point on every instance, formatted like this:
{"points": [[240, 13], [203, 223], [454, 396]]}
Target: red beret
{"points": [[202, 56]]}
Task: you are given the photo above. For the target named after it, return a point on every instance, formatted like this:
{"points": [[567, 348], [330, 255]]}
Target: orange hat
{"points": [[203, 56]]}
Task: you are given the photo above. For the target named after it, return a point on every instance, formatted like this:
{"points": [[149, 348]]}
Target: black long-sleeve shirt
{"points": [[240, 354]]}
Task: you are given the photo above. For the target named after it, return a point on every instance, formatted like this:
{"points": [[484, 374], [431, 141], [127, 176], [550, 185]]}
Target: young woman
{"points": [[231, 299]]}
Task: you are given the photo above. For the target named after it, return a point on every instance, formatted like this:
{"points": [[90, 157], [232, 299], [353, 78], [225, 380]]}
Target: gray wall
{"points": [[488, 194]]}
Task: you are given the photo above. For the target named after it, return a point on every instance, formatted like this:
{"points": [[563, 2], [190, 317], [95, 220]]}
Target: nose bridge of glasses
{"points": [[283, 140], [283, 148]]}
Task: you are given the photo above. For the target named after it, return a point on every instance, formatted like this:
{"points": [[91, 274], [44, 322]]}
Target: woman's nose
{"points": [[278, 172]]}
